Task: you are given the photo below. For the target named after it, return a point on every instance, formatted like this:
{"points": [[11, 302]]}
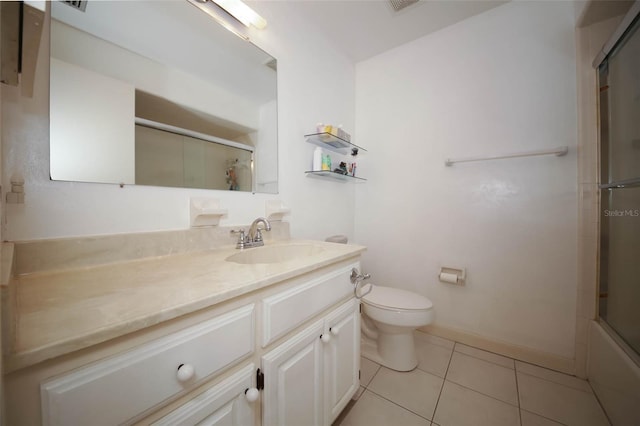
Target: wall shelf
{"points": [[326, 174], [332, 143]]}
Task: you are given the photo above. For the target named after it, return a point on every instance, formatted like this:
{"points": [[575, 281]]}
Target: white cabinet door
{"points": [[224, 404], [293, 381], [342, 357]]}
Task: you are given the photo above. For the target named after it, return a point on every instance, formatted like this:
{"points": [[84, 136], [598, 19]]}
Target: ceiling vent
{"points": [[398, 5], [81, 5]]}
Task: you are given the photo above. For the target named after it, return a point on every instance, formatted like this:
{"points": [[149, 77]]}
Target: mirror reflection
{"points": [[157, 93]]}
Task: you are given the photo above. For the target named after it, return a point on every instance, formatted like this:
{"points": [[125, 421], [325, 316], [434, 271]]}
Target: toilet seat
{"points": [[396, 299]]}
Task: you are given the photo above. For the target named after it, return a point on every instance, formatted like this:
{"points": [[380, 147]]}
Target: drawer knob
{"points": [[326, 338], [252, 394], [334, 330], [185, 372]]}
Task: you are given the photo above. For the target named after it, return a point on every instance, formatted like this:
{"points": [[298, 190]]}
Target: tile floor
{"points": [[457, 385]]}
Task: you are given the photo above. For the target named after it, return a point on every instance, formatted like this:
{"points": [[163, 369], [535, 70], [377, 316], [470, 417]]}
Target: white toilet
{"points": [[390, 317]]}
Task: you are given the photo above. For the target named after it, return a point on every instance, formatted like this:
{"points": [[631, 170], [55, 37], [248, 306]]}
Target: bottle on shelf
{"points": [[317, 159], [326, 162]]}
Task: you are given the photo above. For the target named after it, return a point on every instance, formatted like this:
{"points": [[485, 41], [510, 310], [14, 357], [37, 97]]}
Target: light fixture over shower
{"points": [[217, 9]]}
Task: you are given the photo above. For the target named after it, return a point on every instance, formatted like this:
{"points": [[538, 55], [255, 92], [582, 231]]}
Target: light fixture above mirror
{"points": [[242, 13], [220, 10]]}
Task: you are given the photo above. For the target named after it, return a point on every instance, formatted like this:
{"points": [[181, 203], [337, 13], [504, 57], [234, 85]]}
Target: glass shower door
{"points": [[619, 77]]}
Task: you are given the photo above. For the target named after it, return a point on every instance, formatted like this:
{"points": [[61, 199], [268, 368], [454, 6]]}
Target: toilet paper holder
{"points": [[452, 275]]}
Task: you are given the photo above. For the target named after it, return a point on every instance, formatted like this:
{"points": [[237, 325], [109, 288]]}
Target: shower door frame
{"points": [[631, 19]]}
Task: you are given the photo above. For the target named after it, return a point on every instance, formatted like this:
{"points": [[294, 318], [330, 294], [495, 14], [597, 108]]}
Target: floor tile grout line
{"points": [[553, 372], [492, 353], [428, 340], [380, 366], [372, 377], [544, 417], [483, 394], [444, 380], [595, 395], [429, 372], [517, 392], [403, 407], [490, 362], [559, 384]]}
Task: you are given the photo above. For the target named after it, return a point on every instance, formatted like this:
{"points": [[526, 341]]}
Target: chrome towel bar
{"points": [[560, 151]]}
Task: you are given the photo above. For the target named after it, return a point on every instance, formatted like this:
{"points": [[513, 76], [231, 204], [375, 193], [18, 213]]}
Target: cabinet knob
{"points": [[185, 372], [334, 330], [326, 338], [251, 394]]}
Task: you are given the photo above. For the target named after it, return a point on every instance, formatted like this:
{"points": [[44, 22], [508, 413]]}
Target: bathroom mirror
{"points": [[158, 93]]}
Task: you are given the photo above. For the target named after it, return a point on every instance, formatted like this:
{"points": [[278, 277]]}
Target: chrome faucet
{"points": [[254, 236]]}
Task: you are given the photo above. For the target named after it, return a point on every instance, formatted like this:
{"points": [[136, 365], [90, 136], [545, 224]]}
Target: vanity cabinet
{"points": [[295, 345], [311, 377]]}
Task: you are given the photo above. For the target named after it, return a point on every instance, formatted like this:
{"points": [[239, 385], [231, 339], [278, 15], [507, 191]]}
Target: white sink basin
{"points": [[274, 254]]}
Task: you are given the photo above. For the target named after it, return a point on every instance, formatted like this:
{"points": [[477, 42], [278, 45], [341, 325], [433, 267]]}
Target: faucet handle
{"points": [[241, 238]]}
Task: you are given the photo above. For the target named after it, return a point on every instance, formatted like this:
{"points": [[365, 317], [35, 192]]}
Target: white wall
{"points": [[315, 83], [500, 82]]}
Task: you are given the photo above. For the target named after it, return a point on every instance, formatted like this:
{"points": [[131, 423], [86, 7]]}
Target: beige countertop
{"points": [[59, 312]]}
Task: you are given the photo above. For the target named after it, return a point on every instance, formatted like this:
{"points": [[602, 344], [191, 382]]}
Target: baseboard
{"points": [[521, 353]]}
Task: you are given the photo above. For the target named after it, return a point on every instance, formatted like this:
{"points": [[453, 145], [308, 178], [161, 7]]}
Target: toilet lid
{"points": [[395, 298]]}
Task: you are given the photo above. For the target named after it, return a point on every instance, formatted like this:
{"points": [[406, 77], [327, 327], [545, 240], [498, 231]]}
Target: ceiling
{"points": [[365, 28]]}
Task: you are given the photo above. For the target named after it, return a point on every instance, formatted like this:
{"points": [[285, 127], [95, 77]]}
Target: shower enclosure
{"points": [[619, 295]]}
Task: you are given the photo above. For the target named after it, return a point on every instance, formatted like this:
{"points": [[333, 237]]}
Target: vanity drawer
{"points": [[117, 389], [223, 404], [285, 311]]}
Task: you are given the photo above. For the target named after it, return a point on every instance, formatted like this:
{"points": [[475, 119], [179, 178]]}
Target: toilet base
{"points": [[395, 351]]}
